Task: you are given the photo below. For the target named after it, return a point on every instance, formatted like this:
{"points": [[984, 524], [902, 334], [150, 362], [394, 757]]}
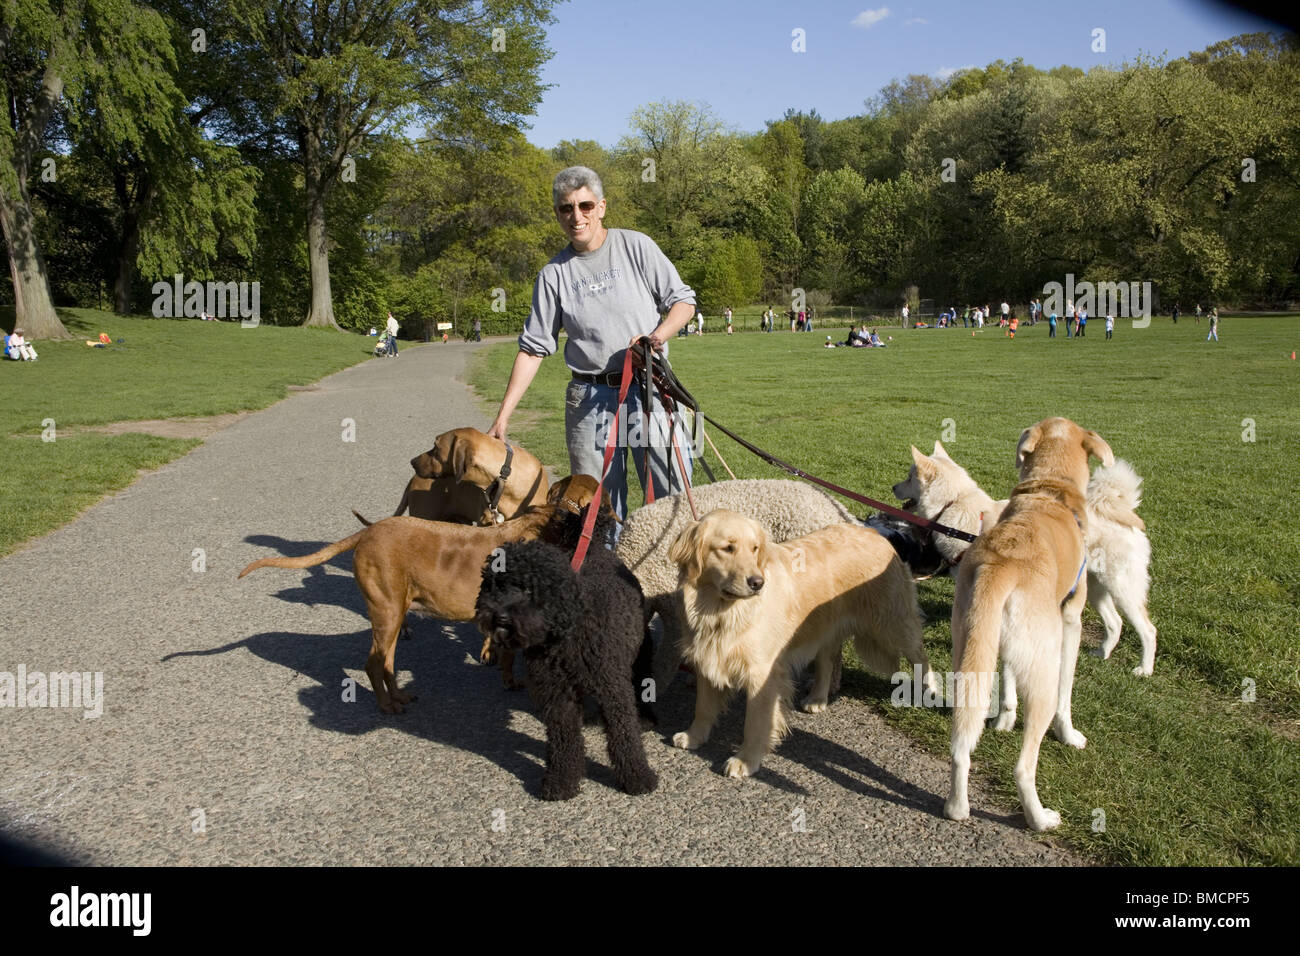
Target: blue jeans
{"points": [[588, 414]]}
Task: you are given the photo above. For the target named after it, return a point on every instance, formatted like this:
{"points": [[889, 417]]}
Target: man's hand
{"points": [[498, 430]]}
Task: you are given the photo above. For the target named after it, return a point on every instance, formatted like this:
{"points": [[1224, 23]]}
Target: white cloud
{"points": [[869, 18], [922, 20], [946, 71]]}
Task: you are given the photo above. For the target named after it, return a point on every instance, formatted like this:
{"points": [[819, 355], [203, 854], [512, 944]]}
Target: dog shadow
{"points": [[459, 702], [318, 588]]}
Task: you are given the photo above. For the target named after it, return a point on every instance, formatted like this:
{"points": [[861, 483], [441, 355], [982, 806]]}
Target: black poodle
{"points": [[579, 633]]}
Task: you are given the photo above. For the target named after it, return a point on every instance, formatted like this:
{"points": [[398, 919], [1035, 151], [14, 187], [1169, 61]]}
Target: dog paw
{"points": [[1101, 651], [735, 767], [557, 789], [1046, 820], [956, 809], [1072, 738], [811, 706], [1142, 671], [642, 783], [392, 707], [683, 741], [1006, 721]]}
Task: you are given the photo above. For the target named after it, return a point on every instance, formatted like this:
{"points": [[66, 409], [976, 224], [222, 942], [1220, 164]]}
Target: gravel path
{"points": [[224, 737]]}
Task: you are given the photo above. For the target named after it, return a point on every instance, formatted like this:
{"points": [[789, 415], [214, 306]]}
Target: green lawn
{"points": [[162, 368], [1185, 770]]}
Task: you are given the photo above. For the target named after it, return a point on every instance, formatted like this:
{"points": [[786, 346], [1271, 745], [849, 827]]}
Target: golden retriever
{"points": [[1020, 587], [756, 610]]}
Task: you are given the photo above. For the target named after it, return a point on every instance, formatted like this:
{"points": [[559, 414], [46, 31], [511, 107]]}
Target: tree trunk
{"points": [[321, 312], [33, 305], [134, 212]]}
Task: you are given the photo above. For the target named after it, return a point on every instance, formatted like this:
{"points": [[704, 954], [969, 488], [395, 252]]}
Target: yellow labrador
{"points": [[1021, 587], [756, 610]]}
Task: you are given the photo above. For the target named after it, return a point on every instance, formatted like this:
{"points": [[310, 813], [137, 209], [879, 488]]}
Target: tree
{"points": [[344, 73], [107, 55], [685, 176]]}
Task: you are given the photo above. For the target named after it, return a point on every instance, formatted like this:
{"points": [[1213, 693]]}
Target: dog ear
{"points": [[939, 450], [460, 452], [1096, 446], [764, 539], [924, 466], [685, 551], [1028, 442]]}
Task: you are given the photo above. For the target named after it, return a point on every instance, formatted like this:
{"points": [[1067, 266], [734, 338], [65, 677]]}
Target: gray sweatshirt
{"points": [[602, 300]]}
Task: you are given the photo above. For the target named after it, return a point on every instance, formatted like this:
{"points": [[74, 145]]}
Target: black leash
{"points": [[668, 384]]}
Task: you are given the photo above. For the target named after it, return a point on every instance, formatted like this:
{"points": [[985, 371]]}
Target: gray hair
{"points": [[574, 178]]}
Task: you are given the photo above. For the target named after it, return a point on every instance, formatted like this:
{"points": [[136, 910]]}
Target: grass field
{"points": [[163, 368], [1186, 768]]}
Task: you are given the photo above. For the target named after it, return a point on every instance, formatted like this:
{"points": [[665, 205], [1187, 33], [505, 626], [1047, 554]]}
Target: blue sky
{"points": [[612, 56]]}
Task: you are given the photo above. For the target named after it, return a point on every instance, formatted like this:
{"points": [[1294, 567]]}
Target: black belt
{"points": [[610, 379]]}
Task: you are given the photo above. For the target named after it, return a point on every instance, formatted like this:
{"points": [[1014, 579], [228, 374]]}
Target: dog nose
{"points": [[755, 583]]}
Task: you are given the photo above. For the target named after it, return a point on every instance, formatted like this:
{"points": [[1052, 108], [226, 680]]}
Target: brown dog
{"points": [[453, 477], [435, 564], [1020, 591]]}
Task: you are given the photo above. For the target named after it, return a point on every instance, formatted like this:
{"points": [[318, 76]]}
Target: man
{"points": [[605, 289]]}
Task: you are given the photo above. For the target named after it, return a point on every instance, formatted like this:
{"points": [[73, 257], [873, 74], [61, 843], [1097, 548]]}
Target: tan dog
{"points": [[435, 564], [756, 610], [453, 477], [1020, 586], [452, 481]]}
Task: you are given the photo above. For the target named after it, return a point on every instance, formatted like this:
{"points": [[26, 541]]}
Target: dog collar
{"points": [[493, 491]]}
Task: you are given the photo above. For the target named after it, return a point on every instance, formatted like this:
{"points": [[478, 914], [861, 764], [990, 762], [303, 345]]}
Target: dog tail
{"points": [[361, 519], [1115, 492], [978, 631], [307, 561]]}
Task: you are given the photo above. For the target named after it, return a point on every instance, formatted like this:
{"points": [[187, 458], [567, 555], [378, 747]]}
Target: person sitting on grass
{"points": [[875, 340], [16, 347], [829, 344]]}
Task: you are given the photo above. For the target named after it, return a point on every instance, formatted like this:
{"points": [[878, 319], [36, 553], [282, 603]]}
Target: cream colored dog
{"points": [[756, 610], [1020, 588]]}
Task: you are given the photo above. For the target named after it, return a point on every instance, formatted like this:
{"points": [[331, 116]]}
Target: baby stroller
{"points": [[385, 346]]}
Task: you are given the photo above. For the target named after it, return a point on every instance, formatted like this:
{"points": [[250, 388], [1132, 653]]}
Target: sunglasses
{"points": [[566, 209]]}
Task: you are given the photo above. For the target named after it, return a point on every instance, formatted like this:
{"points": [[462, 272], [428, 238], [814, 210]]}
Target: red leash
{"points": [[611, 441]]}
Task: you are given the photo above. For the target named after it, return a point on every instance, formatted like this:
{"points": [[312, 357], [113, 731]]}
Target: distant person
{"points": [[1175, 313], [829, 344], [1013, 324], [390, 329], [906, 312], [1214, 325], [478, 330], [17, 348], [875, 340], [1198, 313], [1051, 326], [1110, 326], [793, 318], [1081, 323]]}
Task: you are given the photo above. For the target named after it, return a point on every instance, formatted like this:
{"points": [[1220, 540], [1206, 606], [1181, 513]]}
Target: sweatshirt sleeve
{"points": [[665, 283], [541, 334]]}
